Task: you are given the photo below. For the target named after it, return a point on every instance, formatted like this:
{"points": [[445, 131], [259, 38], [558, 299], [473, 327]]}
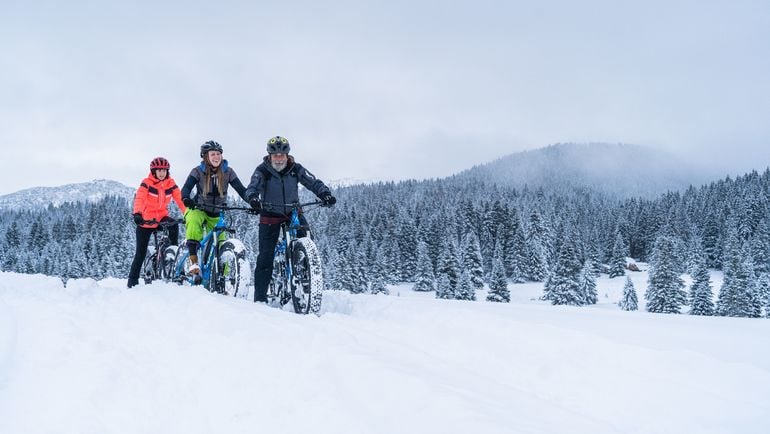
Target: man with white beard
{"points": [[275, 184]]}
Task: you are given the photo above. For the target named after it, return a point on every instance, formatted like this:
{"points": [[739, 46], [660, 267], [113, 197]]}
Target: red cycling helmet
{"points": [[160, 163]]}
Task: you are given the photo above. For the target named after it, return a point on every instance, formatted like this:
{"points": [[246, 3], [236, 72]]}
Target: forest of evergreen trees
{"points": [[451, 236]]}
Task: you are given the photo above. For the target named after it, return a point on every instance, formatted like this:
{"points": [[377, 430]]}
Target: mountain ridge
{"points": [[623, 170], [620, 170], [90, 191]]}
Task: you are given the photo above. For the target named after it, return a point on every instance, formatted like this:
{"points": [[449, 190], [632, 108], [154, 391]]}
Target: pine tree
{"points": [[444, 288], [471, 260], [763, 293], [701, 297], [665, 293], [13, 236], [498, 284], [711, 245], [518, 258], [563, 286], [329, 261], [378, 286], [538, 248], [588, 283], [424, 277], [360, 277], [406, 241], [619, 253], [347, 279], [392, 253], [629, 300], [737, 296], [449, 263], [465, 290], [377, 275], [537, 262]]}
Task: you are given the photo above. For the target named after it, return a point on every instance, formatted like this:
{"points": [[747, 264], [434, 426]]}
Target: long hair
{"points": [[220, 174]]}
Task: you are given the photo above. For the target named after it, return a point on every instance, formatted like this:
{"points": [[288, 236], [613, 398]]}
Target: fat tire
{"points": [[306, 285], [169, 261], [148, 269], [179, 272], [232, 258], [277, 291]]}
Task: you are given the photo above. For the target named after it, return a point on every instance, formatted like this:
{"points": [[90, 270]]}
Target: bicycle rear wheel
{"points": [[306, 281], [277, 292]]}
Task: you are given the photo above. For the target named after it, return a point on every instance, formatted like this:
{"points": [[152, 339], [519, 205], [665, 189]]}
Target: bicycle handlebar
{"points": [[167, 223], [231, 208], [267, 206], [271, 206]]}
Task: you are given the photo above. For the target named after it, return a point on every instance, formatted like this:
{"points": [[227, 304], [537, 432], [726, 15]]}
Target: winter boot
{"points": [[194, 270], [132, 283]]}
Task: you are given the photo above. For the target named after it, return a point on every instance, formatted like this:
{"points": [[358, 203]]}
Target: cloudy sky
{"points": [[374, 90]]}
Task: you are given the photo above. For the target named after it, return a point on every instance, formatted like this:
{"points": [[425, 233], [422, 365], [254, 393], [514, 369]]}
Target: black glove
{"points": [[189, 203], [328, 199], [138, 219], [256, 204]]}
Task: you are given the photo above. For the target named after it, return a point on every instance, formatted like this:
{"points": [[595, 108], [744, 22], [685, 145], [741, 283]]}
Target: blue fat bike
{"points": [[159, 262], [297, 274], [224, 267]]}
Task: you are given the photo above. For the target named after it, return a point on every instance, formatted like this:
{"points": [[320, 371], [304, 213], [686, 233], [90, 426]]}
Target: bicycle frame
{"points": [[161, 243], [288, 233], [211, 251], [282, 248]]}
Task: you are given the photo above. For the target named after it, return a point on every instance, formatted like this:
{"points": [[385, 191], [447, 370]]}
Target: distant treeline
{"points": [[436, 231]]}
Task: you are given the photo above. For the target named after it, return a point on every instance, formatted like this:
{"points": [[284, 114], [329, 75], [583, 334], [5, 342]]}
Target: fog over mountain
{"points": [[621, 170], [617, 169]]}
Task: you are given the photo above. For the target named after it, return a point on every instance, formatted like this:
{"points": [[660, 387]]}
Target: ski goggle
{"points": [[278, 140]]}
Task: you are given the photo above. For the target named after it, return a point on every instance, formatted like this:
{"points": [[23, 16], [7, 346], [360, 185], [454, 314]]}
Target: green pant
{"points": [[194, 219]]}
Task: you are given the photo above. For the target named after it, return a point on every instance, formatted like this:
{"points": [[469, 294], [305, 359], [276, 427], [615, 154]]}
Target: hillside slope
{"points": [[618, 169], [41, 197]]}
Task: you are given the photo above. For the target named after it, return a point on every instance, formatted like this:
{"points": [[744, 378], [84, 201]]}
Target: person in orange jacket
{"points": [[151, 203]]}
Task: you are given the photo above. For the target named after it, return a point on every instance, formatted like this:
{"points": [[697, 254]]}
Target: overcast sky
{"points": [[374, 90]]}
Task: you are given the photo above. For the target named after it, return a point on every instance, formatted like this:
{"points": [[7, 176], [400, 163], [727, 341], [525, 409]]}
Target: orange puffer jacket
{"points": [[153, 197]]}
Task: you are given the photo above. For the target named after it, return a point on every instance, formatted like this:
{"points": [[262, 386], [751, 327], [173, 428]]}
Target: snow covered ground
{"points": [[98, 358]]}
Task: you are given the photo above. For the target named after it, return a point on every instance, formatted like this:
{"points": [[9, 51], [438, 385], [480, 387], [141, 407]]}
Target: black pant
{"points": [[263, 272], [142, 241]]}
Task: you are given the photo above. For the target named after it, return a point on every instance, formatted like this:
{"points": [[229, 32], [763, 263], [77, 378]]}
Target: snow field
{"points": [[98, 358]]}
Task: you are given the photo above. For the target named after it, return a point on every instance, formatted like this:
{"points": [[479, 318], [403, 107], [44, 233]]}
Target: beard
{"points": [[278, 166]]}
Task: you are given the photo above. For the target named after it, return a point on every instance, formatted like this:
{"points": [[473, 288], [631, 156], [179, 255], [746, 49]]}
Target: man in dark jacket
{"points": [[274, 184]]}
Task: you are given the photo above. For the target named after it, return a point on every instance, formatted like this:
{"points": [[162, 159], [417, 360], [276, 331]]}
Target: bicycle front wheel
{"points": [[169, 257], [234, 269], [306, 279], [181, 265], [148, 267]]}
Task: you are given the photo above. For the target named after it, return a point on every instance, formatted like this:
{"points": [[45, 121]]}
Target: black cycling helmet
{"points": [[210, 146], [278, 145]]}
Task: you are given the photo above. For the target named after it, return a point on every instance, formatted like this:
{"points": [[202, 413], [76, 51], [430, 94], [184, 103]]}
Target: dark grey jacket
{"points": [[196, 179], [275, 188]]}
